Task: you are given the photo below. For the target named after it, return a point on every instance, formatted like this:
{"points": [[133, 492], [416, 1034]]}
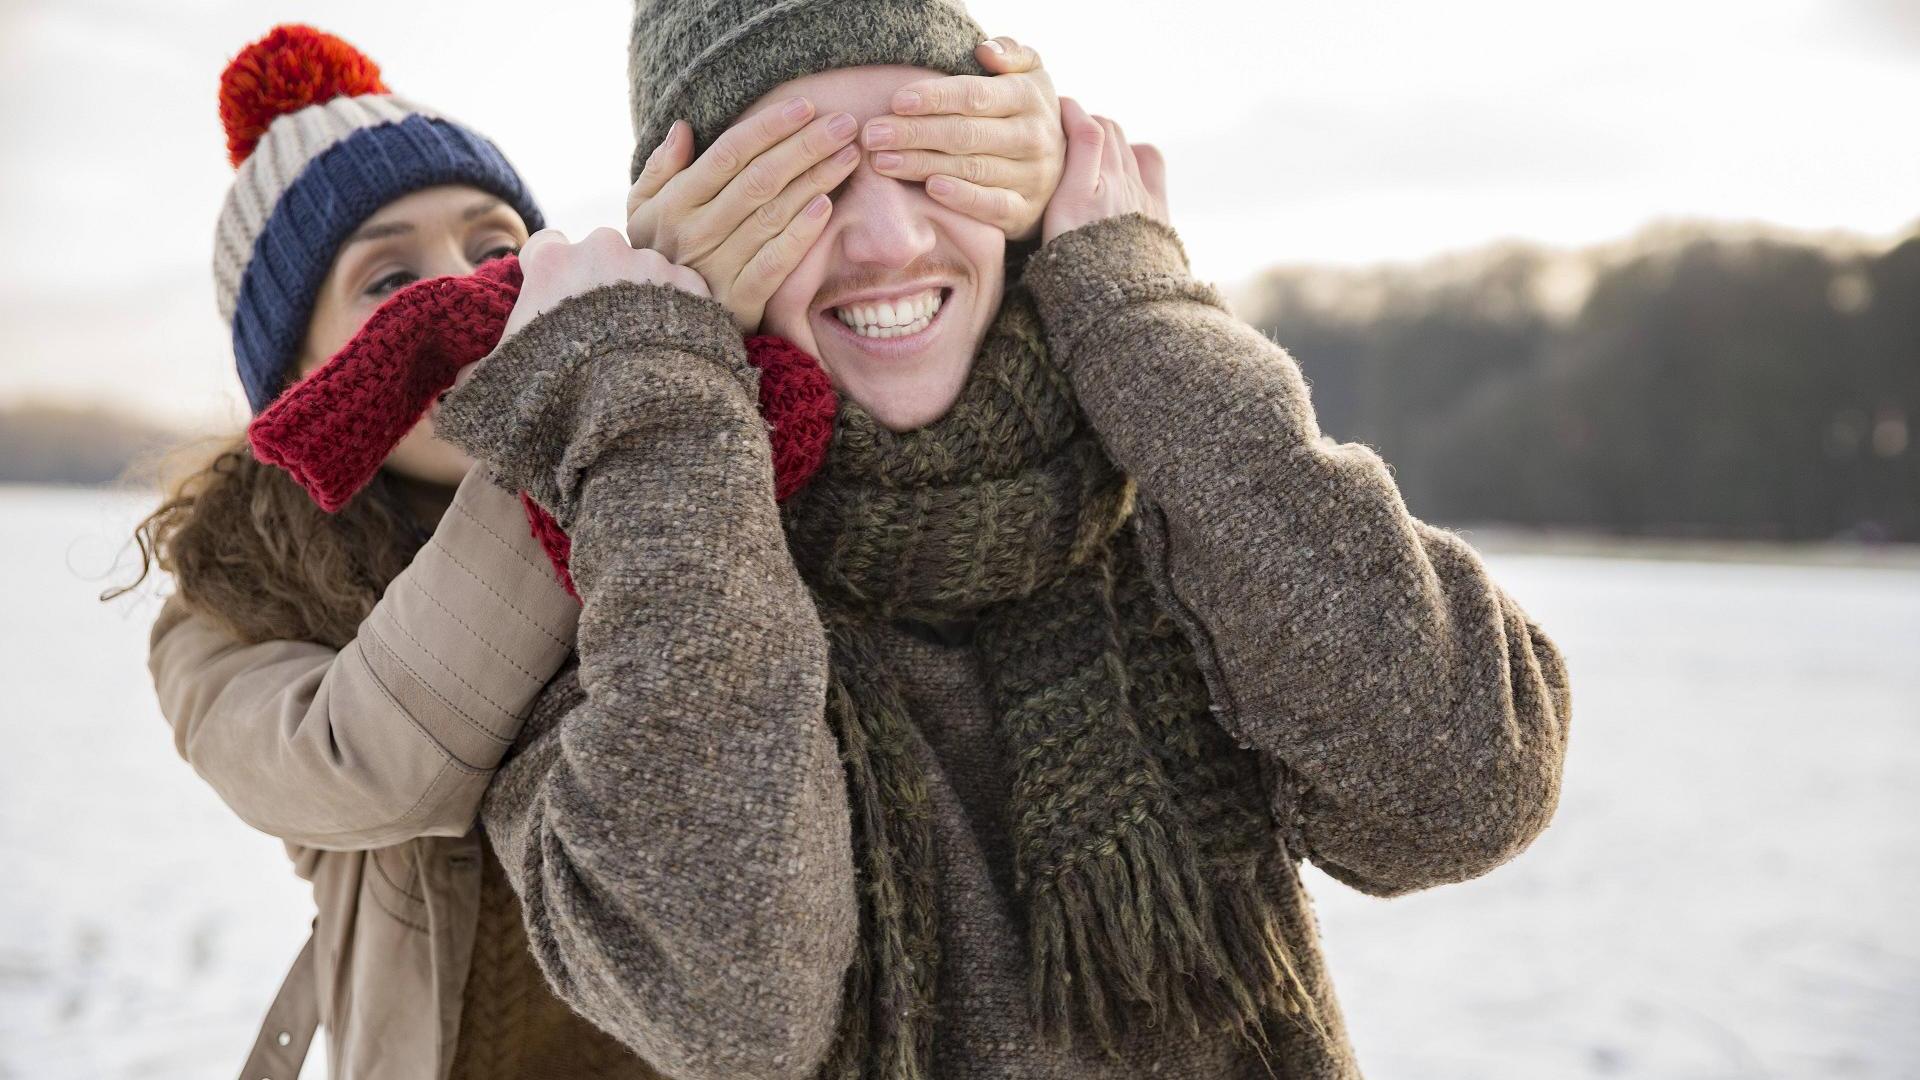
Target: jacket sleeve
{"points": [[396, 735], [675, 819], [1417, 717]]}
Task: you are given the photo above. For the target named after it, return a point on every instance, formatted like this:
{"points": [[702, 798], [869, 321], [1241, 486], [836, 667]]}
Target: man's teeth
{"points": [[900, 318]]}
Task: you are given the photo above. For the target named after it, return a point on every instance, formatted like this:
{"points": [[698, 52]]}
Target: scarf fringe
{"points": [[1142, 930], [886, 1026]]}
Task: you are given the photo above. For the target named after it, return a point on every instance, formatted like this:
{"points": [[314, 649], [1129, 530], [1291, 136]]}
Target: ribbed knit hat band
{"points": [[705, 61], [320, 146]]}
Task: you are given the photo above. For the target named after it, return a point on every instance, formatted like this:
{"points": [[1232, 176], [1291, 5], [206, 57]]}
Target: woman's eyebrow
{"points": [[478, 208], [379, 231]]}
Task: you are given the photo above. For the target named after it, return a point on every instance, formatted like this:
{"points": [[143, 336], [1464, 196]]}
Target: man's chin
{"points": [[901, 401]]}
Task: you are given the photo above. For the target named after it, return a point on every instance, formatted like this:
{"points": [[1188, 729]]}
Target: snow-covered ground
{"points": [[1729, 890]]}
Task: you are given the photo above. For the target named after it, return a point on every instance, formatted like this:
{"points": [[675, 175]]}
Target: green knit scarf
{"points": [[1138, 825]]}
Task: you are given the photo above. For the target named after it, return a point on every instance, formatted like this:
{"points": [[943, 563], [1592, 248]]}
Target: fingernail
{"points": [[994, 46], [845, 154], [672, 130], [887, 159], [818, 206], [906, 101], [879, 135], [939, 185], [842, 125], [796, 108]]}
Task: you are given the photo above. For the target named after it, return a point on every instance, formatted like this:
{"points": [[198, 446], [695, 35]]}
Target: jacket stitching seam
{"points": [[464, 625], [407, 890], [394, 700], [429, 687], [448, 761], [382, 904], [503, 541], [510, 605]]}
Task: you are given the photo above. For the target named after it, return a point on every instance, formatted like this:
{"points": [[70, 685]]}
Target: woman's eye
{"points": [[500, 252], [393, 282]]}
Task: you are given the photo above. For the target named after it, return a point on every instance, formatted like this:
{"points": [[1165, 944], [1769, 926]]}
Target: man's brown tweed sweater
{"points": [[675, 818]]}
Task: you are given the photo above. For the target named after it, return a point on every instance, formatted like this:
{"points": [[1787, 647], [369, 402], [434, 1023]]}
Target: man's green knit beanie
{"points": [[704, 61]]}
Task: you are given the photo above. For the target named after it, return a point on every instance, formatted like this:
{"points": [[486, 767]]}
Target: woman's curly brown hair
{"points": [[248, 547]]}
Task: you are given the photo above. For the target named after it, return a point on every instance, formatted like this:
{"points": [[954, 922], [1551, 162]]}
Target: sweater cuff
{"points": [[1085, 276], [531, 396]]}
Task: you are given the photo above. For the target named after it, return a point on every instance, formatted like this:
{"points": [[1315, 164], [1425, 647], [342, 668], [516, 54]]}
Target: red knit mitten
{"points": [[332, 429]]}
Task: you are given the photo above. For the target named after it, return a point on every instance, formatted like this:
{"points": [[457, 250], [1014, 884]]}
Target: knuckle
{"points": [[1030, 132], [979, 96], [724, 156], [767, 217], [976, 170], [759, 183]]}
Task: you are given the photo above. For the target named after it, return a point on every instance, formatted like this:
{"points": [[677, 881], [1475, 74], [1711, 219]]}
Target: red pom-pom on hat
{"points": [[291, 68]]}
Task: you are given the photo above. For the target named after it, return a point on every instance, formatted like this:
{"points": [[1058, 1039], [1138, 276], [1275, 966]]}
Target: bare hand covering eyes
{"points": [[989, 147], [747, 211]]}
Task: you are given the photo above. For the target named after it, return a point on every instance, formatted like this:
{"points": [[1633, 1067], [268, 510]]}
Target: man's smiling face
{"points": [[897, 293]]}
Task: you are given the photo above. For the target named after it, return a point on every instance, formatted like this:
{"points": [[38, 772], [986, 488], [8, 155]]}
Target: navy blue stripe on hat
{"points": [[333, 196]]}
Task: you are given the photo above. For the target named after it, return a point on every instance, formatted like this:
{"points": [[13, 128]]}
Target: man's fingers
{"points": [[1129, 164], [739, 145], [688, 279], [1005, 56], [1085, 137], [666, 160], [604, 237], [970, 95], [1110, 148], [1153, 172], [545, 238], [997, 206]]}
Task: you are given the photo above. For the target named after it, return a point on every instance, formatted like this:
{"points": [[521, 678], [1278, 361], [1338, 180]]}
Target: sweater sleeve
{"points": [[1417, 717], [395, 736], [675, 819]]}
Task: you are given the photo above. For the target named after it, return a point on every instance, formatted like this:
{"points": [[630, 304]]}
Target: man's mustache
{"points": [[877, 280]]}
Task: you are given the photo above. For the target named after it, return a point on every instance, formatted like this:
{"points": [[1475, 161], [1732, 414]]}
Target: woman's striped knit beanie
{"points": [[320, 146]]}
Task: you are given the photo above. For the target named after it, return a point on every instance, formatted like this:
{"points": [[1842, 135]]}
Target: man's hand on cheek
{"points": [[1105, 175], [990, 148], [748, 210]]}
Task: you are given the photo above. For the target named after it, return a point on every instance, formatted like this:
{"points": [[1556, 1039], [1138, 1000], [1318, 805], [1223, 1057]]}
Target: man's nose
{"points": [[881, 222]]}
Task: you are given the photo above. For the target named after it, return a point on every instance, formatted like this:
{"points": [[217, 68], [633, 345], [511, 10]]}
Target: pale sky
{"points": [[1295, 131]]}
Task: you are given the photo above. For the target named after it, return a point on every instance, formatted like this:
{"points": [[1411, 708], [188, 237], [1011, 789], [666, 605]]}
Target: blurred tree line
{"points": [[1690, 382], [52, 444]]}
